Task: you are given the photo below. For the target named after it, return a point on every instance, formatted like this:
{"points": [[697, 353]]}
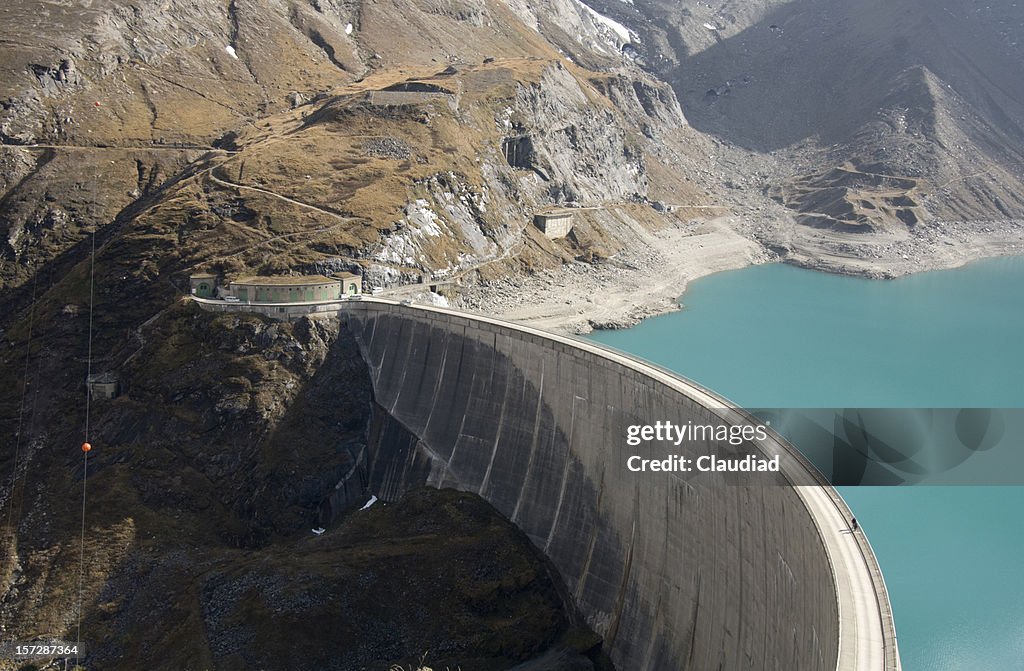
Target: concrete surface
{"points": [[688, 571]]}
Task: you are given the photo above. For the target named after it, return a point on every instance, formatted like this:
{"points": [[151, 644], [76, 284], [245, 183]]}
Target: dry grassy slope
{"points": [[417, 189], [164, 83], [160, 70], [86, 83], [62, 194]]}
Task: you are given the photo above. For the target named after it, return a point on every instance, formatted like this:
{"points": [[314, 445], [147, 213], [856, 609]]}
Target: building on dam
{"points": [[278, 289]]}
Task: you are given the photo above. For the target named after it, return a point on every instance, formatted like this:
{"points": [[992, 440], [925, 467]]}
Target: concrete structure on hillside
{"points": [[416, 93], [102, 385], [554, 223], [285, 289], [203, 285], [675, 570]]}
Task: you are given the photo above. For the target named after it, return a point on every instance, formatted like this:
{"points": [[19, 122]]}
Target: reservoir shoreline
{"points": [[650, 277]]}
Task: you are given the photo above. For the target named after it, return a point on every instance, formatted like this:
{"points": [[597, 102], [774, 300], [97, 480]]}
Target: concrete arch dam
{"points": [[712, 571]]}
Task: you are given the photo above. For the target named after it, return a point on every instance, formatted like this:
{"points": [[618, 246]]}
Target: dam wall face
{"points": [[697, 572]]}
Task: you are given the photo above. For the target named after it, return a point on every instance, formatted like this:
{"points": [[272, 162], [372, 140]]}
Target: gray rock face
{"points": [[894, 89], [15, 165], [580, 153]]}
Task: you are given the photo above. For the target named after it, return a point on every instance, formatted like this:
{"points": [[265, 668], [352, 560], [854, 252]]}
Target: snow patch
{"points": [[348, 28], [231, 51], [616, 27], [373, 499]]}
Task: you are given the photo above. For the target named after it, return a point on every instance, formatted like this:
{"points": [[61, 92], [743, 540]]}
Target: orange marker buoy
{"points": [[86, 447]]}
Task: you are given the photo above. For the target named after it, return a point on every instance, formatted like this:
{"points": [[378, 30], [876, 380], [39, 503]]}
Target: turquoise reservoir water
{"points": [[778, 336]]}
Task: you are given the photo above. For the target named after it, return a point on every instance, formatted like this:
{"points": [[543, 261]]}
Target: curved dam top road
{"points": [[676, 570]]}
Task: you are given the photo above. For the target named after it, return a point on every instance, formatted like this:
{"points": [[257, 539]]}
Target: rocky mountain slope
{"points": [[856, 117], [414, 140], [328, 137], [880, 117]]}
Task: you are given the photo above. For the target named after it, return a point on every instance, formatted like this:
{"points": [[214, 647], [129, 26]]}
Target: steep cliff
{"points": [[907, 90], [232, 438]]}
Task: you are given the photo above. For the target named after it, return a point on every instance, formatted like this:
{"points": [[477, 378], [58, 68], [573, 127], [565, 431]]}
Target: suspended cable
{"points": [[86, 447]]}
